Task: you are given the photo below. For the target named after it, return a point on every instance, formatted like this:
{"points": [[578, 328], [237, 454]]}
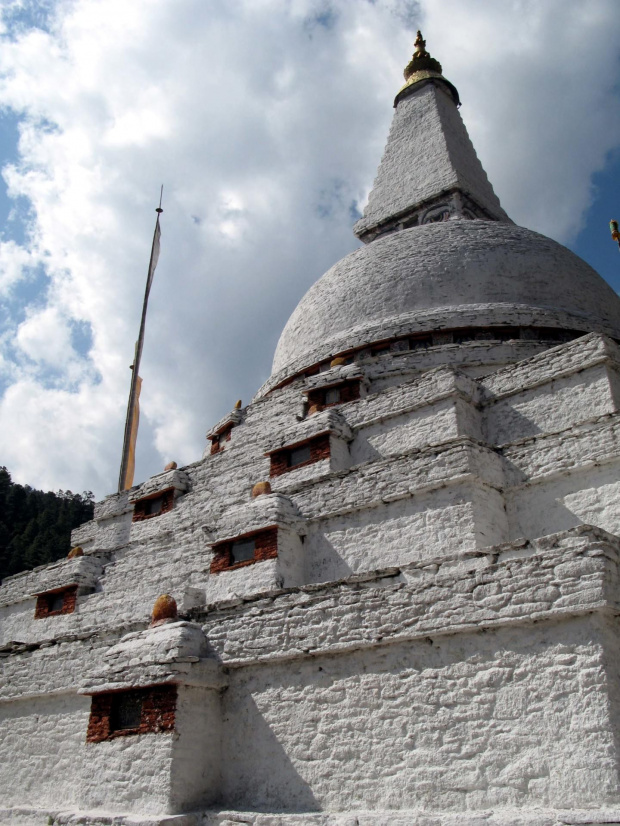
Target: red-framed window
{"points": [[218, 442], [154, 505], [56, 602], [134, 711], [299, 455], [323, 397], [247, 549]]}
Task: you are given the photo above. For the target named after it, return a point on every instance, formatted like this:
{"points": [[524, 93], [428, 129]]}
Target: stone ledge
{"points": [[448, 318], [83, 571], [174, 652], [557, 362], [397, 477], [175, 479], [557, 576], [327, 421], [538, 458], [233, 418], [262, 512], [433, 386], [27, 816]]}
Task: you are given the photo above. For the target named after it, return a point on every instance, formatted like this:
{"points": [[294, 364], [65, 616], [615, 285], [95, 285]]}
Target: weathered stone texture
{"points": [[427, 632], [428, 153]]}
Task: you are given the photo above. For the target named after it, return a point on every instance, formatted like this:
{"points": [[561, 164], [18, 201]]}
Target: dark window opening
{"points": [[299, 455], [55, 603], [218, 441], [153, 506], [126, 711], [242, 551], [289, 458], [462, 338], [328, 396], [246, 550], [420, 343], [130, 712], [381, 349]]}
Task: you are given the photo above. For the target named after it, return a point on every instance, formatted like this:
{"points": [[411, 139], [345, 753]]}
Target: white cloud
{"points": [[15, 260], [265, 121], [45, 337]]}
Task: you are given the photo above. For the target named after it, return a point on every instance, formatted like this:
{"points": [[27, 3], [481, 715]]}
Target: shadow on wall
{"points": [[273, 784], [581, 498], [504, 424], [323, 563]]}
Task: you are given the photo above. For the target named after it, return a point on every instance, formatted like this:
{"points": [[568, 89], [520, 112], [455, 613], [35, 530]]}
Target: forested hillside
{"points": [[35, 527]]}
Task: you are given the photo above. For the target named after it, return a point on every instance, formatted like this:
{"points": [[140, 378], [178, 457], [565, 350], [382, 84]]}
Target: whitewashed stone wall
{"points": [[397, 639]]}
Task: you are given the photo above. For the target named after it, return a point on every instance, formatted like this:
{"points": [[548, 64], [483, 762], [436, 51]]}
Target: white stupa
{"points": [[392, 578]]}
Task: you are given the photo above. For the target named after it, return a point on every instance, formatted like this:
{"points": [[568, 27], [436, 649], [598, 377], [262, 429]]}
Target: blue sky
{"points": [[594, 243], [265, 121]]}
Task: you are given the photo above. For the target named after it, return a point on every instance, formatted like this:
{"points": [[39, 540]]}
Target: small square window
{"points": [[299, 455], [242, 551], [332, 396], [153, 506], [420, 343], [381, 349], [126, 712], [56, 602]]}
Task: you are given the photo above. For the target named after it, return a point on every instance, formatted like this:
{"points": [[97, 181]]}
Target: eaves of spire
{"points": [[429, 171]]}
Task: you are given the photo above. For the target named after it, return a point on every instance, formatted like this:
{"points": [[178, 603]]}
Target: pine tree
{"points": [[35, 526]]}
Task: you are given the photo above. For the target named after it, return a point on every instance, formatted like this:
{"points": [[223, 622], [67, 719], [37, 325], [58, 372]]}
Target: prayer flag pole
{"points": [[128, 461]]}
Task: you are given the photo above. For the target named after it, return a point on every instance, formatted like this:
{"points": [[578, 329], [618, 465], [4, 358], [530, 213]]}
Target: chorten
{"points": [[387, 594]]}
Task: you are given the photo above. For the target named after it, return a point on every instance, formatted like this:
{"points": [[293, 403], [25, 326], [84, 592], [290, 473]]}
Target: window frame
{"points": [[320, 449], [139, 506], [219, 439], [349, 392], [265, 547], [47, 598], [158, 705]]}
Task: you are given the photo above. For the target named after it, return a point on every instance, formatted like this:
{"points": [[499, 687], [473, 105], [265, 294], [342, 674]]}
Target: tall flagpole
{"points": [[125, 478]]}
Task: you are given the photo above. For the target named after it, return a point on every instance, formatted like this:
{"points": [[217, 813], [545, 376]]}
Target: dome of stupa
{"points": [[448, 275], [440, 253]]}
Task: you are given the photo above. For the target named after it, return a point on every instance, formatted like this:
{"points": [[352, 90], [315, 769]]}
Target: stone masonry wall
{"points": [[454, 723]]}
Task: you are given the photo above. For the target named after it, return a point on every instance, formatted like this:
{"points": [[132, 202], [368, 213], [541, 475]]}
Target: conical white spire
{"points": [[430, 170]]}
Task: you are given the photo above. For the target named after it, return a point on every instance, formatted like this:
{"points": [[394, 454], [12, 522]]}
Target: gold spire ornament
{"points": [[615, 233], [424, 67], [421, 60]]}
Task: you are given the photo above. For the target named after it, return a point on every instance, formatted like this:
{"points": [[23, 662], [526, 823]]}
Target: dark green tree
{"points": [[35, 526]]}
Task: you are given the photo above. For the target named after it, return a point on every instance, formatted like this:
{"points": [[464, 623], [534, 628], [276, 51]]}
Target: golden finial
{"points": [[238, 404], [424, 67], [421, 60], [420, 46]]}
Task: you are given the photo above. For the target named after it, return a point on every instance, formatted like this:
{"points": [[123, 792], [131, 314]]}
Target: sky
{"points": [[265, 121]]}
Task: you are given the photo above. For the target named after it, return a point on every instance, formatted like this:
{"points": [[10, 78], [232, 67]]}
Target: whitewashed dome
{"points": [[454, 274], [440, 252]]}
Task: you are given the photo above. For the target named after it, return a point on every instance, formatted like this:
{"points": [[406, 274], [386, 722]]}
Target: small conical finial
{"points": [[238, 404], [420, 46], [424, 67], [421, 60]]}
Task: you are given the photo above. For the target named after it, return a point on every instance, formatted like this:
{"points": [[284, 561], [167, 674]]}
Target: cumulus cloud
{"points": [[265, 121]]}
